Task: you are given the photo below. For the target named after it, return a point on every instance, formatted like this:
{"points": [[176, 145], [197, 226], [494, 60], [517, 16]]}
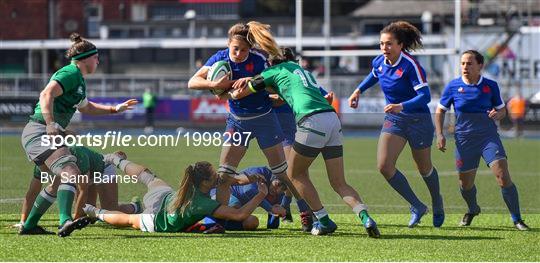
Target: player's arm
{"points": [[422, 98], [367, 83], [242, 213], [82, 189], [199, 81], [444, 105], [439, 124], [253, 85], [92, 108], [499, 108], [252, 192], [46, 102]]}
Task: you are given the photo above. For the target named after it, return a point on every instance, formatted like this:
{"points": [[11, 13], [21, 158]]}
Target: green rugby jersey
{"points": [[73, 86], [201, 206], [87, 160], [297, 87]]}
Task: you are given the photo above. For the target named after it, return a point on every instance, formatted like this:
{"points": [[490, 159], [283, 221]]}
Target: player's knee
{"points": [[65, 163], [386, 169], [251, 223], [466, 184], [504, 180], [425, 170]]}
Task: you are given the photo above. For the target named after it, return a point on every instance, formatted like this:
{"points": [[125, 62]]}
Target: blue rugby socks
{"points": [[510, 196], [400, 184], [470, 198]]}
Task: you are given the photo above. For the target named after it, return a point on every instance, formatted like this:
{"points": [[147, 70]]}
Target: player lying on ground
{"points": [[167, 210], [89, 162], [242, 194]]}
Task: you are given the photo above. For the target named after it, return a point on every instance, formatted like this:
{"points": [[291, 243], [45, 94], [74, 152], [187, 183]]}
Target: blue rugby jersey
{"points": [[254, 64], [472, 103], [244, 193], [400, 81]]}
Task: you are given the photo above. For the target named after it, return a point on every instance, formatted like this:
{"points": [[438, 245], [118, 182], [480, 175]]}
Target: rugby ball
{"points": [[217, 71]]}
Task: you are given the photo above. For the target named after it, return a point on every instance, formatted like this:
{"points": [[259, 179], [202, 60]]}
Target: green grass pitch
{"points": [[491, 238]]}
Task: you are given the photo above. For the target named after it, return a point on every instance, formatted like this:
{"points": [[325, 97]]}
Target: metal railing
{"points": [[115, 85]]}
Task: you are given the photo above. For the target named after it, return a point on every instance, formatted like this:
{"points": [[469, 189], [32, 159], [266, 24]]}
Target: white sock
{"points": [[321, 213], [122, 164], [358, 208], [145, 177]]}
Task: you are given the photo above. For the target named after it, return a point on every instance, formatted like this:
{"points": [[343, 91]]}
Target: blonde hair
{"points": [[259, 35], [194, 175]]}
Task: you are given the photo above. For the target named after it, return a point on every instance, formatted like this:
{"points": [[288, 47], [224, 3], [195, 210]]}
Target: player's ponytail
{"points": [[259, 35], [81, 48], [193, 176], [406, 34]]}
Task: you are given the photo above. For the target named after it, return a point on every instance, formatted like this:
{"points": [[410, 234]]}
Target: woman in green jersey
{"points": [[318, 130], [167, 210], [63, 95], [102, 182]]}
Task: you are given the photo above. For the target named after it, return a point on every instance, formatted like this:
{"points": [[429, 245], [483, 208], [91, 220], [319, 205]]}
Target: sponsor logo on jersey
{"points": [[486, 89], [250, 67], [461, 90], [380, 69], [80, 90], [399, 72]]}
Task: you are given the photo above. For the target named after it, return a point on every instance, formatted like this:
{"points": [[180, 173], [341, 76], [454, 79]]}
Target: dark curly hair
{"points": [[406, 34]]}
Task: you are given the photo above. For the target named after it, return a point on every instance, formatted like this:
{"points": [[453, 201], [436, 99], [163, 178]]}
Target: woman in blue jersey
{"points": [[249, 117], [478, 104], [407, 119], [242, 194]]}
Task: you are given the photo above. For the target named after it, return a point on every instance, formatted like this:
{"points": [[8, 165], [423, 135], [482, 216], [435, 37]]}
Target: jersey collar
{"points": [[397, 62], [478, 83]]}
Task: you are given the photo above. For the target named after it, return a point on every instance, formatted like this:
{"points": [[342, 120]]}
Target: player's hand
{"points": [[353, 99], [393, 108], [253, 178], [496, 114], [441, 143], [126, 105], [263, 189], [239, 93], [240, 83], [276, 100], [278, 210], [223, 83], [54, 128], [329, 97]]}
